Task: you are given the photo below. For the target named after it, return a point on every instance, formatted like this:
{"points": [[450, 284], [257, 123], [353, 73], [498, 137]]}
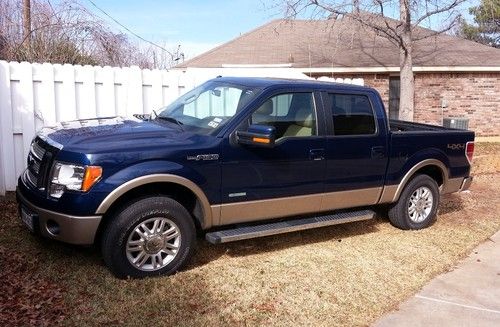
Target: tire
{"points": [[417, 205], [152, 236]]}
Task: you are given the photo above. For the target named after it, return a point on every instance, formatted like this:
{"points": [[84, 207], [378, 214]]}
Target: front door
{"points": [[260, 183]]}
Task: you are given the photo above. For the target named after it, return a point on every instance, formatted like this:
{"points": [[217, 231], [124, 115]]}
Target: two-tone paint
{"points": [[234, 183]]}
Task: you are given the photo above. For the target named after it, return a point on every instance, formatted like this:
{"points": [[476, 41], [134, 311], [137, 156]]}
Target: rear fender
{"points": [[425, 158]]}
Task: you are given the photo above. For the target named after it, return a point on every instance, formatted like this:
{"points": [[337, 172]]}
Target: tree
{"points": [[375, 15], [38, 31], [486, 29]]}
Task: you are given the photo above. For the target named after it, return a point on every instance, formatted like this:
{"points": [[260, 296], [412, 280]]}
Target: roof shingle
{"points": [[339, 43]]}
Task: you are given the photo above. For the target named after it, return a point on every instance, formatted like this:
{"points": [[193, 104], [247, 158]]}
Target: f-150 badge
{"points": [[213, 156]]}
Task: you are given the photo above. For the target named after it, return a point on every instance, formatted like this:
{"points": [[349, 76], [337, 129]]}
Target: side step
{"points": [[246, 232]]}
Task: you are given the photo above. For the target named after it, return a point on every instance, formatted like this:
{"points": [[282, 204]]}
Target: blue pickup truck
{"points": [[235, 158]]}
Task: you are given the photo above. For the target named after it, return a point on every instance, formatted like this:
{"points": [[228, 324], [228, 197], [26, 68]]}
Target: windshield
{"points": [[205, 109]]}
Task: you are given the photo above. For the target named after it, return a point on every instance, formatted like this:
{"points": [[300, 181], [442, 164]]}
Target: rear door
{"points": [[356, 150]]}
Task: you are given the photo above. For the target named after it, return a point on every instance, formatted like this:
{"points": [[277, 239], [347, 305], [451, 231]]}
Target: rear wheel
{"points": [[417, 204], [149, 237]]}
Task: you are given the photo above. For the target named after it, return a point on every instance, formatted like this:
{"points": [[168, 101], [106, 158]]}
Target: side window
{"points": [[352, 114], [292, 114]]}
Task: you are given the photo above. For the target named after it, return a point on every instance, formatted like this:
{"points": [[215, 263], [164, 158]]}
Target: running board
{"points": [[246, 232]]}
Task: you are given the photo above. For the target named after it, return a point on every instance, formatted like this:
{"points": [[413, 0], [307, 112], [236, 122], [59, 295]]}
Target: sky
{"points": [[196, 25]]}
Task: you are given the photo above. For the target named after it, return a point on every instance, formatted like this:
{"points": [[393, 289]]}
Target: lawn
{"points": [[341, 275]]}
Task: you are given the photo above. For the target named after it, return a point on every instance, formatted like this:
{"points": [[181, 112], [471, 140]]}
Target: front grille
{"points": [[39, 162], [37, 150], [31, 178]]}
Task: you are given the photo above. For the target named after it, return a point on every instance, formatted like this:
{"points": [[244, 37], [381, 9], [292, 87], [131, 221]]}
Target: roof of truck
{"points": [[265, 82]]}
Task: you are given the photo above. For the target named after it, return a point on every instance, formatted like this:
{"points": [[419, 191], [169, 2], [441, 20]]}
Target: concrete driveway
{"points": [[467, 296]]}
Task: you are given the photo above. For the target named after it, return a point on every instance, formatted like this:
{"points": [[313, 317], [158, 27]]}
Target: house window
{"points": [[394, 87]]}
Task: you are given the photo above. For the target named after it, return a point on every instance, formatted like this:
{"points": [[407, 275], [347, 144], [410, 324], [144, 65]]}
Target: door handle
{"points": [[317, 154], [378, 152]]}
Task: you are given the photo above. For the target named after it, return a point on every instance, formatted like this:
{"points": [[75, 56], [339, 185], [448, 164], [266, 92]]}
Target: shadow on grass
{"points": [[451, 203], [71, 257], [66, 259], [208, 252]]}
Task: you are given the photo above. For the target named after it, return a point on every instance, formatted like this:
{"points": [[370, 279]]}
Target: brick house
{"points": [[454, 78]]}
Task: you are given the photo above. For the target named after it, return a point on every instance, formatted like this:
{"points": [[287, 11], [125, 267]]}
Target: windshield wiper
{"points": [[171, 119]]}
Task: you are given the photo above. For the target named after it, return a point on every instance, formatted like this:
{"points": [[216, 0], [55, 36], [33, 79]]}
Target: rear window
{"points": [[352, 114]]}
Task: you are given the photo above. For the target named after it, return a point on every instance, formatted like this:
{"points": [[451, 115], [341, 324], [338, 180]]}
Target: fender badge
{"points": [[213, 156]]}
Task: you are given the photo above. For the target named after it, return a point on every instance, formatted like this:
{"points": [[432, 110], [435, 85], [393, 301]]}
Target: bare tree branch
{"points": [[438, 10]]}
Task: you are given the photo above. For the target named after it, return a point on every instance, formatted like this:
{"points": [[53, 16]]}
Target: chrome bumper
{"points": [[456, 185], [466, 184], [62, 227]]}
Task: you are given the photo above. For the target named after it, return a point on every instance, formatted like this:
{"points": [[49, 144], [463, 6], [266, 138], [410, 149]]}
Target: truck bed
{"points": [[406, 126]]}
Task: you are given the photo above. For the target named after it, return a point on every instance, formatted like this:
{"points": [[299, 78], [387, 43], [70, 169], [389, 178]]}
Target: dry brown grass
{"points": [[342, 275]]}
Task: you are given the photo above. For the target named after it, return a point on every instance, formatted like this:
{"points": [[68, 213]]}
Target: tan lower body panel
{"points": [[390, 192], [240, 212]]}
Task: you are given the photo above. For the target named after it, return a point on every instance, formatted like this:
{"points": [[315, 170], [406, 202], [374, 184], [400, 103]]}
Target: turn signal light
{"points": [[261, 140], [92, 175]]}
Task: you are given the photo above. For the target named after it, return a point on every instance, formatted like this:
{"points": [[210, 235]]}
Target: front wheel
{"points": [[149, 237], [417, 205]]}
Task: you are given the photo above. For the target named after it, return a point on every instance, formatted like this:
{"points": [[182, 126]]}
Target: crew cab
{"points": [[235, 158]]}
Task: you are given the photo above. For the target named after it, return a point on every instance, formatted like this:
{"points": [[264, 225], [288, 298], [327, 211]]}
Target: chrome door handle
{"points": [[317, 154]]}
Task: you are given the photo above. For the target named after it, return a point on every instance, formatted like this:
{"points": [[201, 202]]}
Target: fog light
{"points": [[53, 227]]}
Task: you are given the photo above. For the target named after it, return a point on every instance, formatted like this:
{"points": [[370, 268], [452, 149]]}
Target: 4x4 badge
{"points": [[213, 156], [456, 146]]}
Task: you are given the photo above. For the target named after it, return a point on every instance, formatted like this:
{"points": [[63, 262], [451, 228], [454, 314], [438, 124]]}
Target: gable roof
{"points": [[339, 43]]}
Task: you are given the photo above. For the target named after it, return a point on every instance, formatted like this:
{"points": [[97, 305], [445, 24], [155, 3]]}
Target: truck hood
{"points": [[113, 134]]}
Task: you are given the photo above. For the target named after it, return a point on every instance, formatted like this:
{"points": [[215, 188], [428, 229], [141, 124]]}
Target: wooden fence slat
{"points": [[134, 91], [47, 94], [157, 91], [67, 96], [170, 86], [108, 89], [28, 113], [88, 100], [120, 86], [7, 165]]}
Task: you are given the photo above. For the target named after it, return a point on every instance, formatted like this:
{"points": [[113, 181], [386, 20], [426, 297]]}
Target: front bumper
{"points": [[62, 227]]}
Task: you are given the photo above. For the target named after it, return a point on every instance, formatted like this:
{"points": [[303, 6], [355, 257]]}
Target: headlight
{"points": [[72, 177]]}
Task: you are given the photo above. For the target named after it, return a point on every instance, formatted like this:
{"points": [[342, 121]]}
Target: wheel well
{"points": [[180, 193], [432, 171]]}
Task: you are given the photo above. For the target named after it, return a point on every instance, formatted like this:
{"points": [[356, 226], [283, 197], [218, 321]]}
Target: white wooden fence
{"points": [[35, 95]]}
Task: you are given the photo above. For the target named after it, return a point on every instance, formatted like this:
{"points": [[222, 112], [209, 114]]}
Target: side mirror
{"points": [[257, 135]]}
